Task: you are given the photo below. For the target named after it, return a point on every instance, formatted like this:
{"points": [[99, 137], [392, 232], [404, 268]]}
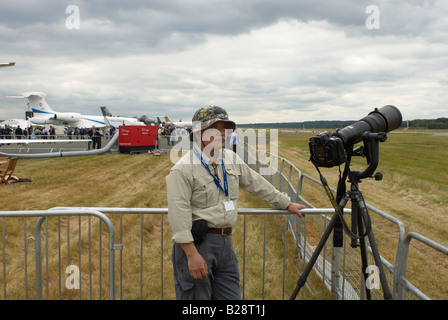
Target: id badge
{"points": [[229, 206]]}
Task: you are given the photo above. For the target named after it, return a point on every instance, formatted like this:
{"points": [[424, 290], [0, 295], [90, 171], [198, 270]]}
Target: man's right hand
{"points": [[196, 263]]}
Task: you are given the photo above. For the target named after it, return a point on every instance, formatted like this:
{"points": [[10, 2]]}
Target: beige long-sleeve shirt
{"points": [[193, 194]]}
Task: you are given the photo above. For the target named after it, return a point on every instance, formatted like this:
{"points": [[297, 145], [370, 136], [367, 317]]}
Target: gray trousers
{"points": [[223, 278]]}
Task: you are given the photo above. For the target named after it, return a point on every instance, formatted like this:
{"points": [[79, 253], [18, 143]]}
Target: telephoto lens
{"points": [[385, 119]]}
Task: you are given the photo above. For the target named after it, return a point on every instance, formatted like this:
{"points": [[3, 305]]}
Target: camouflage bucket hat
{"points": [[206, 116]]}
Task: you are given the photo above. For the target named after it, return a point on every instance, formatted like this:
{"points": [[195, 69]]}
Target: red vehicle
{"points": [[138, 138]]}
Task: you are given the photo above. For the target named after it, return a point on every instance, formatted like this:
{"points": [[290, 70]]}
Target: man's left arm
{"points": [[257, 185]]}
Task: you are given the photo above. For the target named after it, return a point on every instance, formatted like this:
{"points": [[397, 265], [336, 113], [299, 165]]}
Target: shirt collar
{"points": [[205, 156]]}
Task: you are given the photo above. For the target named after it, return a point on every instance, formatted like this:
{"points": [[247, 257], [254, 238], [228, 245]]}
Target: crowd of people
{"points": [[42, 132], [173, 134], [9, 132], [39, 132], [93, 133]]}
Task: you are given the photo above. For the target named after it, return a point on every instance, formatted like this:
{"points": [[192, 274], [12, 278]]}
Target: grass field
{"points": [[413, 190]]}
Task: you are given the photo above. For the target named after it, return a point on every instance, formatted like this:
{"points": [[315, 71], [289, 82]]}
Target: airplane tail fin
{"points": [[167, 119], [36, 101], [106, 112]]}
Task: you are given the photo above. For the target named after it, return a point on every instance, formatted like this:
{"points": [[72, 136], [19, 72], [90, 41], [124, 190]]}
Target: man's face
{"points": [[214, 136]]}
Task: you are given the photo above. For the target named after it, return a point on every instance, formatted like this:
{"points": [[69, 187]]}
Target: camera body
{"points": [[326, 150]]}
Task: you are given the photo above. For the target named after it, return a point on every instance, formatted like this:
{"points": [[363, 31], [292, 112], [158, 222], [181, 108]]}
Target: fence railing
{"points": [[68, 254]]}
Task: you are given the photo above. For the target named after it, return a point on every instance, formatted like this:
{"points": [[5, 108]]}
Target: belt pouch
{"points": [[199, 230]]}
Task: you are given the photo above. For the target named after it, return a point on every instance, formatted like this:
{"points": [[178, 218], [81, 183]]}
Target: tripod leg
{"points": [[355, 223], [302, 280], [376, 255], [363, 247]]}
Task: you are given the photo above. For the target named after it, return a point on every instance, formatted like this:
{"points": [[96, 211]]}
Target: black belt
{"points": [[221, 231]]}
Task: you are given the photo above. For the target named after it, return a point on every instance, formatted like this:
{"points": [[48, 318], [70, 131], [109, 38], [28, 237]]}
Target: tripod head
{"points": [[372, 154]]}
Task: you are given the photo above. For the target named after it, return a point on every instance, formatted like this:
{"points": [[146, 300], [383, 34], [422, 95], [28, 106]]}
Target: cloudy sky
{"points": [[263, 60]]}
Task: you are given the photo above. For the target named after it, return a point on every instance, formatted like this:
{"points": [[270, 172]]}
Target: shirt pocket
{"points": [[233, 182], [205, 192]]}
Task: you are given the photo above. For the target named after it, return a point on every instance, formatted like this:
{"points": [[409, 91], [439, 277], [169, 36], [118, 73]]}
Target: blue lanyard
{"points": [[224, 174]]}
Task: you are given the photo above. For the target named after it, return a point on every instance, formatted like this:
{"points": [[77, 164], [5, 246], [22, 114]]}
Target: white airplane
{"points": [[179, 123], [45, 115], [23, 124]]}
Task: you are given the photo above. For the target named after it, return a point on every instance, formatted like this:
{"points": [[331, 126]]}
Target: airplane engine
{"points": [[67, 117]]}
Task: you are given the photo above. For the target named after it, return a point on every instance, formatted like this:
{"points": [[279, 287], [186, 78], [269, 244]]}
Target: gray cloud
{"points": [[122, 27], [307, 59]]}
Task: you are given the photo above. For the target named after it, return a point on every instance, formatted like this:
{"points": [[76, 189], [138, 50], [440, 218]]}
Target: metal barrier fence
{"points": [[70, 265], [41, 216], [74, 250], [68, 254]]}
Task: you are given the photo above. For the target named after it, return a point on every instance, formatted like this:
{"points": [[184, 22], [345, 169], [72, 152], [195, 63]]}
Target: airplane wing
{"points": [[15, 122], [7, 64]]}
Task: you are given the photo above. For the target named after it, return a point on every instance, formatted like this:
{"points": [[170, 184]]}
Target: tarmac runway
{"points": [[69, 145], [36, 147]]}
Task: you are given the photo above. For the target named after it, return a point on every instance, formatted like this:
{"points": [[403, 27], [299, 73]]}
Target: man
{"points": [[18, 132], [202, 190], [233, 141], [95, 135], [52, 133]]}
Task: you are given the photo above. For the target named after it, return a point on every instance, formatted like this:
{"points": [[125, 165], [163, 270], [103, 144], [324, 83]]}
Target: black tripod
{"points": [[361, 226]]}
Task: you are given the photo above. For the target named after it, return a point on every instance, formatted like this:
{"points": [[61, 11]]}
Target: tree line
{"points": [[439, 123]]}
